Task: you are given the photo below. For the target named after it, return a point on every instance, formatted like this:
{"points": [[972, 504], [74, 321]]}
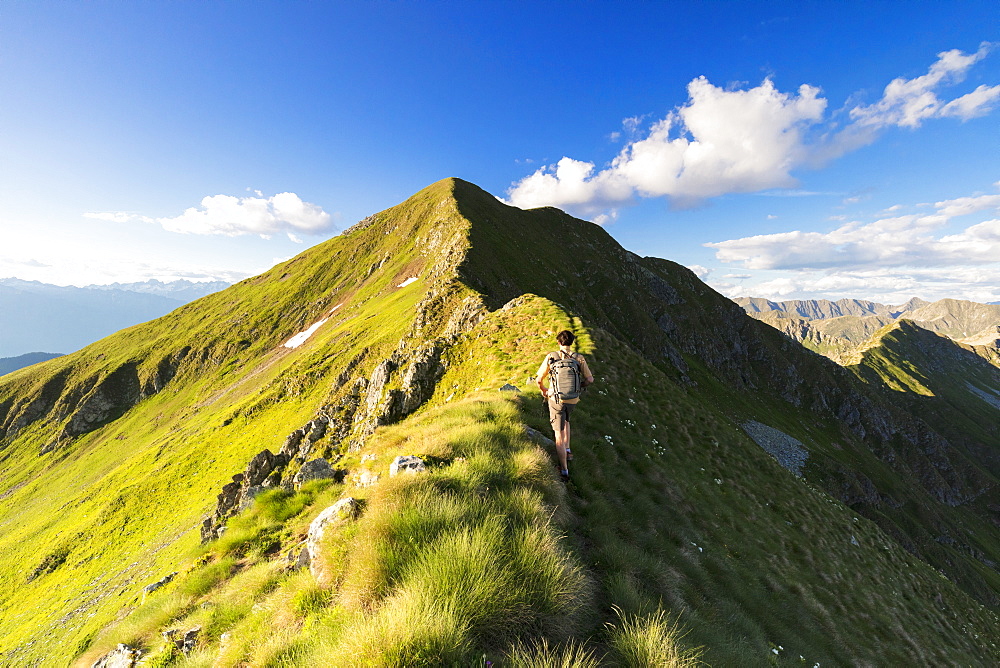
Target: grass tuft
{"points": [[652, 640]]}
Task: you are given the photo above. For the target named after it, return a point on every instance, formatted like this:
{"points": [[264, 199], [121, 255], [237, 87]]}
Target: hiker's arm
{"points": [[540, 376], [588, 377]]}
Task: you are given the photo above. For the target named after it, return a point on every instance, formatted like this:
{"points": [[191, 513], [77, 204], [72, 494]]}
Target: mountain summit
{"points": [[326, 465]]}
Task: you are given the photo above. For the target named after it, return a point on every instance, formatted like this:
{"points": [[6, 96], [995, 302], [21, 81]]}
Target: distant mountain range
{"points": [[61, 319], [842, 329]]}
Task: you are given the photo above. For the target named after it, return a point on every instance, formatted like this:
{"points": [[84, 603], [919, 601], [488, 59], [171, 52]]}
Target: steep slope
{"points": [[401, 330], [944, 382]]}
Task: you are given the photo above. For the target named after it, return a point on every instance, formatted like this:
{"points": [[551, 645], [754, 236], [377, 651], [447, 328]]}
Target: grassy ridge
{"points": [[687, 517], [115, 508]]}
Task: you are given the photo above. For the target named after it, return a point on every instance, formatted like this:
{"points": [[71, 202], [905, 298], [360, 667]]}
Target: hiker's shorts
{"points": [[559, 414]]}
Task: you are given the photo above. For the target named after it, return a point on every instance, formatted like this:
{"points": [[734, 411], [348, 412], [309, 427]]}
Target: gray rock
{"points": [[122, 656], [291, 446], [150, 588], [406, 464], [185, 641], [342, 511], [510, 388], [273, 480], [422, 375], [538, 437], [366, 478], [790, 452], [248, 496], [316, 469]]}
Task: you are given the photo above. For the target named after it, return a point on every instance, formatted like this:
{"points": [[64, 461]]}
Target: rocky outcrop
{"points": [[122, 656], [316, 469], [342, 511], [239, 493], [185, 641], [150, 588], [406, 464]]}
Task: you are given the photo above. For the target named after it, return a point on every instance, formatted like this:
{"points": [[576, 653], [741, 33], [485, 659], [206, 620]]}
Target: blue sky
{"points": [[209, 140]]}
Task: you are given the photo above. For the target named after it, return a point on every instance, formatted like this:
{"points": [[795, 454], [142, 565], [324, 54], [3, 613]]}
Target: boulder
{"points": [[316, 469], [510, 388], [366, 478], [122, 656], [259, 468], [150, 588], [406, 464], [342, 511]]}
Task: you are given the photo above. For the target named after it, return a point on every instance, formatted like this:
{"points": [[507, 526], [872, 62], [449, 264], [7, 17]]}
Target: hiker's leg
{"points": [[560, 432], [558, 421]]}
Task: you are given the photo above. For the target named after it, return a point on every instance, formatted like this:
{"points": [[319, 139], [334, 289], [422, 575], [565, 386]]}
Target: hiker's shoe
{"points": [[564, 475], [569, 455]]}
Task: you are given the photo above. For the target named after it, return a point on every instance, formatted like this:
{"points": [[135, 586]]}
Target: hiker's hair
{"points": [[565, 338]]}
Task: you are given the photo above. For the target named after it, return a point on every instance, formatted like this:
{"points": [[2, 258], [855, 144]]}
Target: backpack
{"points": [[564, 376]]}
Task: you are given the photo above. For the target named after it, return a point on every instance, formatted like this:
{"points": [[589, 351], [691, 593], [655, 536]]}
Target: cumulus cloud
{"points": [[234, 216], [891, 241], [893, 258], [725, 140], [908, 102], [700, 271]]}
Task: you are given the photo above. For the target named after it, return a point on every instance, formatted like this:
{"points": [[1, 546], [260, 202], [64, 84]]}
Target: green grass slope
{"points": [[486, 557], [112, 456]]}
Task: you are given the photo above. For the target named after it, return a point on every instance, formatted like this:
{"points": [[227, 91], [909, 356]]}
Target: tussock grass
{"points": [[465, 558], [543, 655], [652, 640]]}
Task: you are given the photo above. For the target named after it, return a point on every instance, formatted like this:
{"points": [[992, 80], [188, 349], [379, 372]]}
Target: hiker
{"points": [[568, 374]]}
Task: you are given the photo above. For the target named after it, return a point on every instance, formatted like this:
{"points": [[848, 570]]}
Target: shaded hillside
{"points": [[944, 382], [207, 443]]}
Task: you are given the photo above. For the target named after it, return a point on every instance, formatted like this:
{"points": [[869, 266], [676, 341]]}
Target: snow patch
{"points": [[407, 282], [335, 308], [301, 337]]}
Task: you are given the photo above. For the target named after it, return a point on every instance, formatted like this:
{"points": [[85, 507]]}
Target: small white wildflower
{"points": [[700, 550], [655, 442], [608, 439], [631, 400], [774, 650], [718, 481], [652, 426]]}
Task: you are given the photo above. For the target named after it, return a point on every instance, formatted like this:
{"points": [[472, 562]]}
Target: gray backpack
{"points": [[564, 376]]}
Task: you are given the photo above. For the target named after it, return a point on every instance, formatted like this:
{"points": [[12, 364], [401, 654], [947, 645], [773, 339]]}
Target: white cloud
{"points": [[894, 257], [233, 216], [743, 140], [700, 271], [908, 102], [720, 141], [891, 241], [887, 285]]}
